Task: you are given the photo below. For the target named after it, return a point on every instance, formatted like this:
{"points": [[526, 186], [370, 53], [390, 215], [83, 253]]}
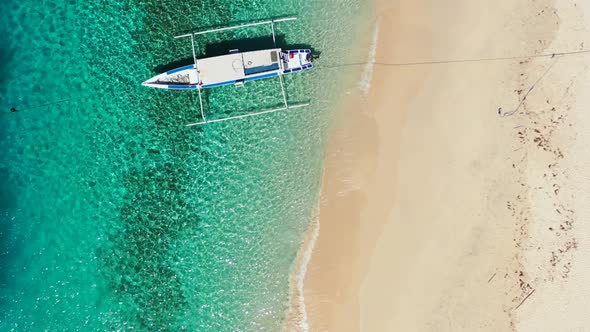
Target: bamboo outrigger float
{"points": [[235, 68]]}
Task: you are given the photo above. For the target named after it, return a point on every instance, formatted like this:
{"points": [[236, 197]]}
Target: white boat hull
{"points": [[233, 69]]}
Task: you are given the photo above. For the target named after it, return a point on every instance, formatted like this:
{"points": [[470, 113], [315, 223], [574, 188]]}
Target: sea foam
{"points": [[305, 259], [367, 76]]}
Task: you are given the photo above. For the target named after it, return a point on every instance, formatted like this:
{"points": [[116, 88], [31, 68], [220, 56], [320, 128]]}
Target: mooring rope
{"points": [[14, 109], [437, 62]]}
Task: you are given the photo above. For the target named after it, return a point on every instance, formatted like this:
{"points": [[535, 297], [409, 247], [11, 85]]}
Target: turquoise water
{"points": [[113, 215]]}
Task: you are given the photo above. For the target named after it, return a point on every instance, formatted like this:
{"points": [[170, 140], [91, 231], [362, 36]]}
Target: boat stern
{"points": [[297, 60]]}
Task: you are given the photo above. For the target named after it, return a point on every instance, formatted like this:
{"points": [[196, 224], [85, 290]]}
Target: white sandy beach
{"points": [[454, 193]]}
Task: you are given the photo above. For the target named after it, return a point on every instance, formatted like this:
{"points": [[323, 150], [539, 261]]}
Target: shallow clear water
{"points": [[113, 215]]}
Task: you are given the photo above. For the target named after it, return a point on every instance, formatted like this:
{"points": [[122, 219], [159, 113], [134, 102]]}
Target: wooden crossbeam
{"points": [[237, 27]]}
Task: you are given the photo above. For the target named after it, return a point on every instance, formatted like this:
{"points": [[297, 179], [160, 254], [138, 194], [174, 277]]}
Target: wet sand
{"points": [[439, 189]]}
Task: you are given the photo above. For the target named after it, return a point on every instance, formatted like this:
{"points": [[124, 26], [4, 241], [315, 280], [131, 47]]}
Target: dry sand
{"points": [[437, 212]]}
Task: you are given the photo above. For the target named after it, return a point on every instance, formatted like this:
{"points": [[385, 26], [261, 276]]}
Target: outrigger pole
{"points": [[280, 74], [247, 115], [238, 27]]}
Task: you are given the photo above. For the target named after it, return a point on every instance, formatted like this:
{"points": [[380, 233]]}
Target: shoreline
{"points": [[460, 246], [296, 314]]}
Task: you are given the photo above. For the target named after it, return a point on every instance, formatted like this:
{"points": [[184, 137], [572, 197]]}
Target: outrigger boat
{"points": [[235, 68]]}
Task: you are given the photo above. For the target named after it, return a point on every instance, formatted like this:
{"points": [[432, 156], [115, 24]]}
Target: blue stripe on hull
{"points": [[296, 69], [179, 69], [260, 77], [298, 51], [206, 86], [181, 87]]}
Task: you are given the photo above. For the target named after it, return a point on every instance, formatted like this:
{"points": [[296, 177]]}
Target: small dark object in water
{"points": [[309, 57], [13, 110]]}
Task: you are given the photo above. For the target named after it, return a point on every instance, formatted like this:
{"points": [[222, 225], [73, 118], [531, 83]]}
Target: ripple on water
{"points": [[113, 213]]}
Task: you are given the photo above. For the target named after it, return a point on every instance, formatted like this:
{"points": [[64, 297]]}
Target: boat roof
{"points": [[237, 66]]}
